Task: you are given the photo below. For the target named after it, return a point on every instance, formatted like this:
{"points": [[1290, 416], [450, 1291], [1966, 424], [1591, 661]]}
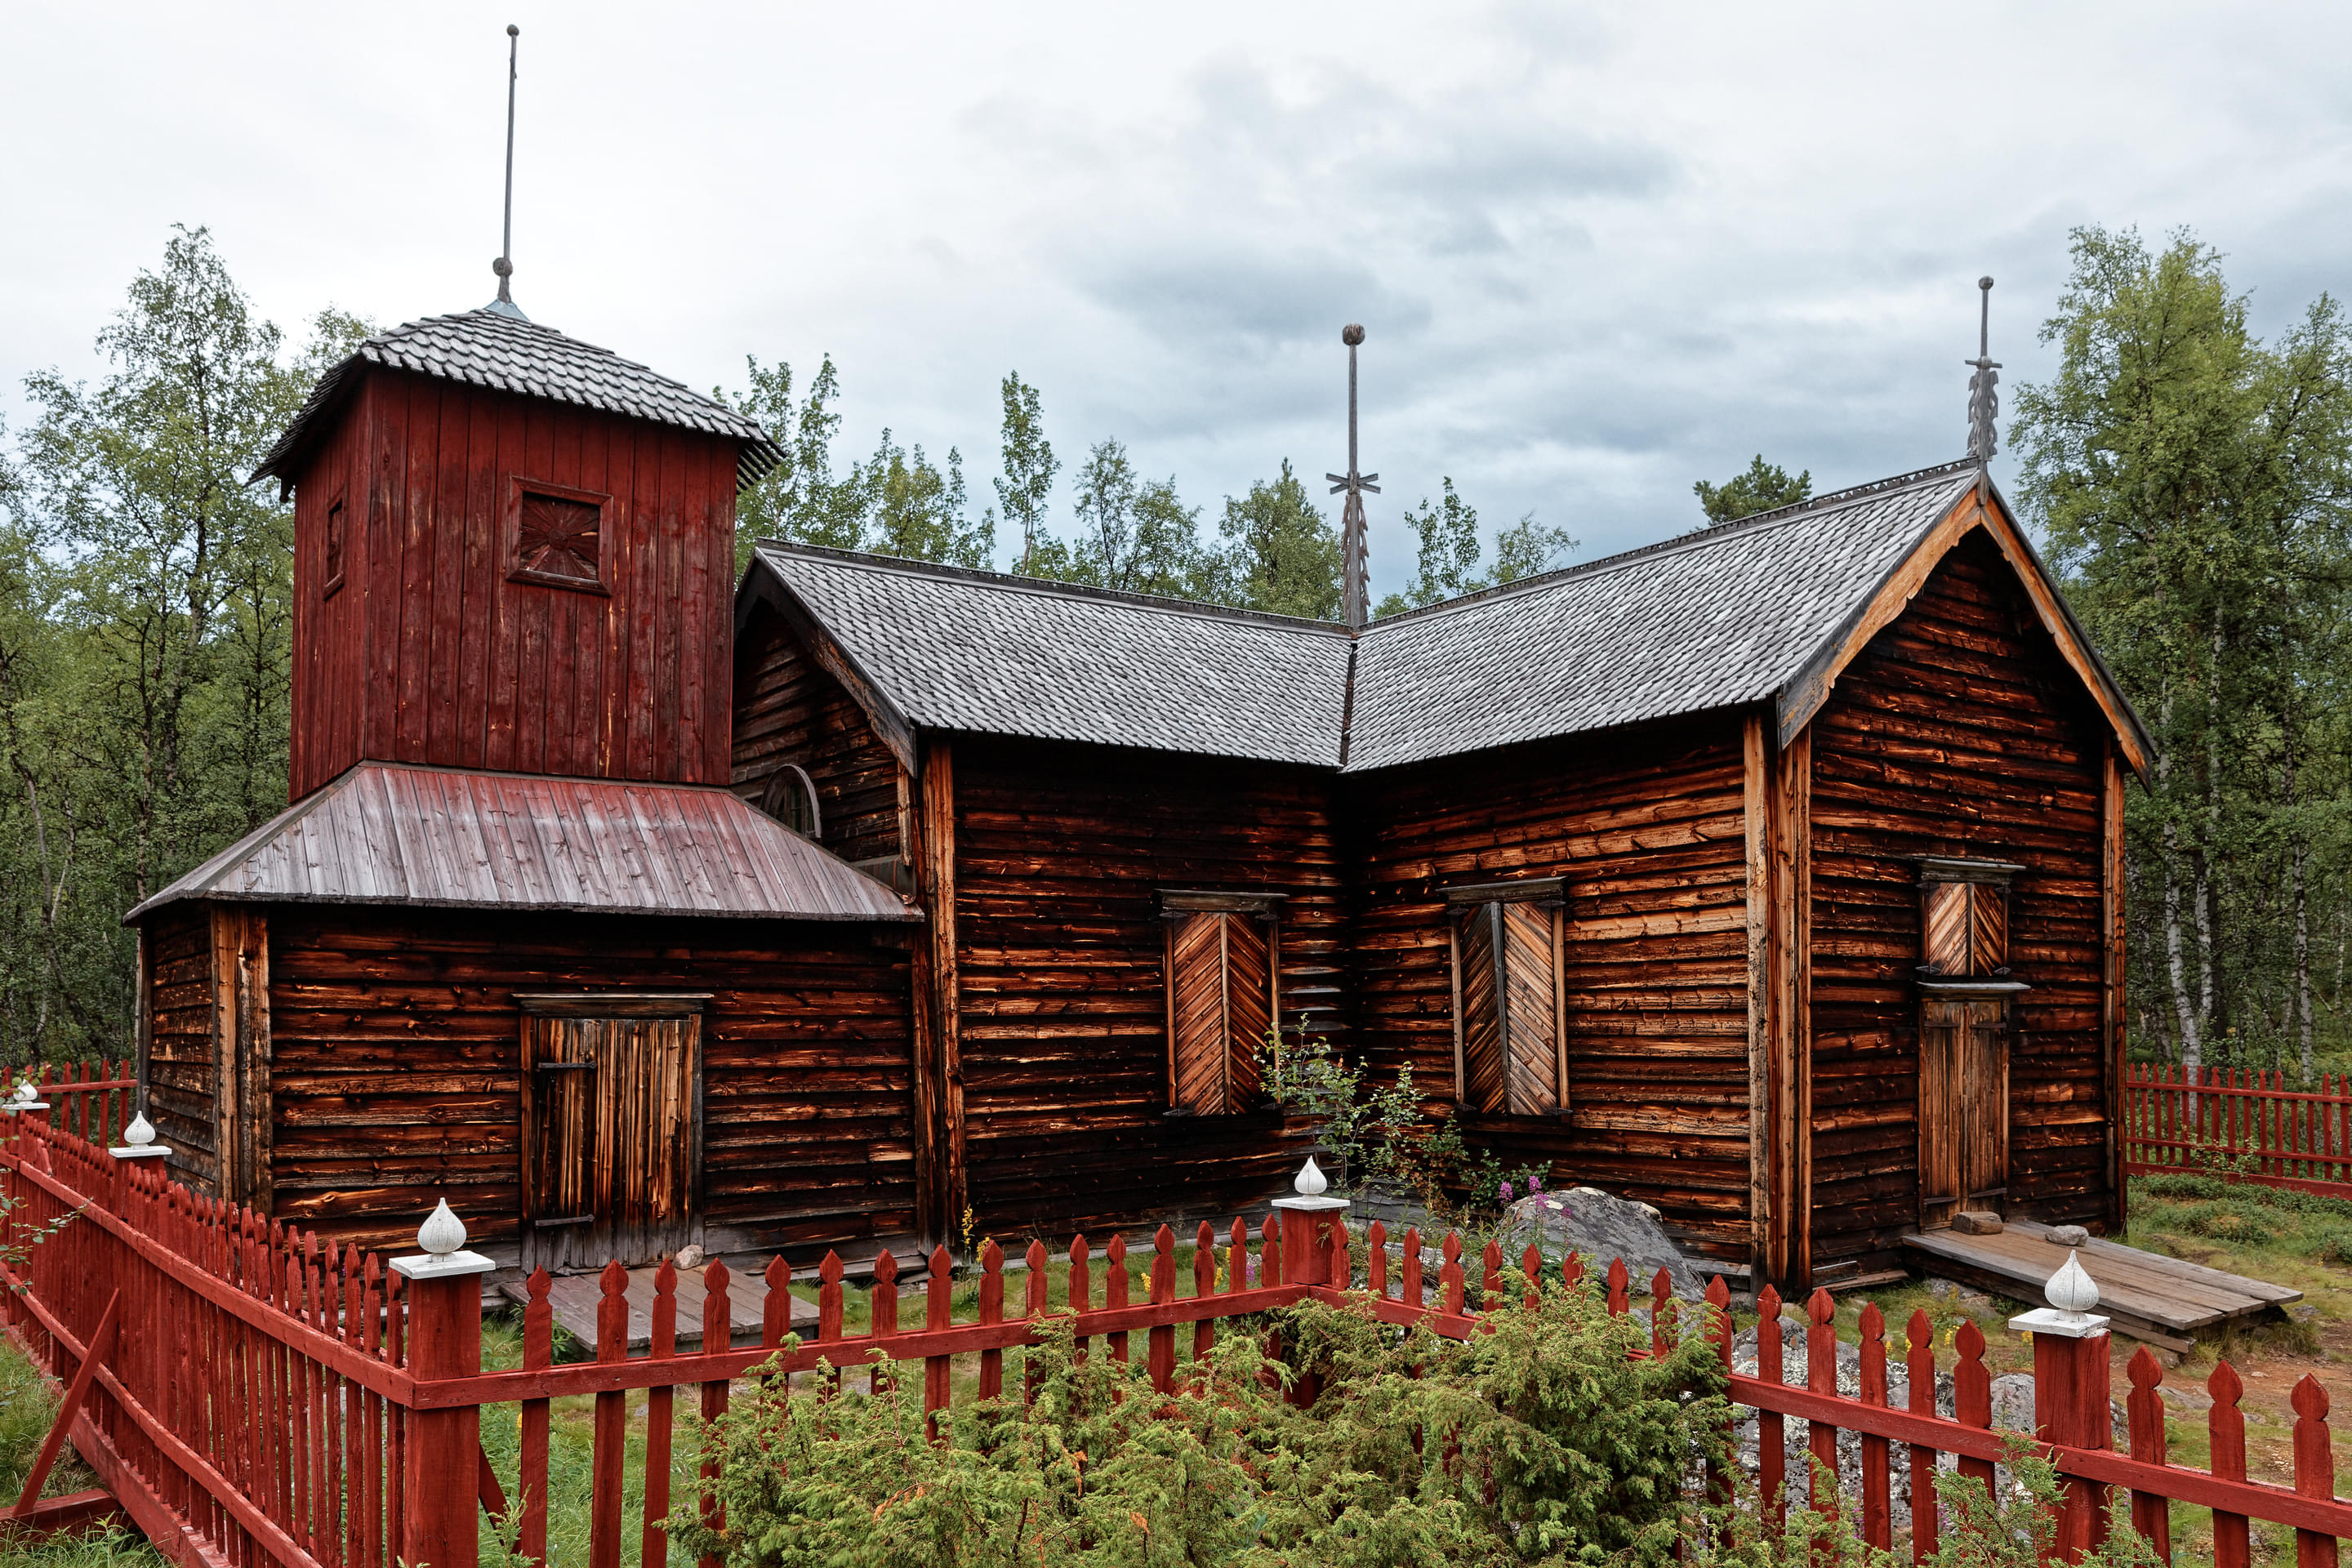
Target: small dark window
{"points": [[791, 799], [1510, 1038], [1221, 999], [559, 537], [334, 548]]}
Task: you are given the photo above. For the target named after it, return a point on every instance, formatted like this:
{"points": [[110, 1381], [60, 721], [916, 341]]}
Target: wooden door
{"points": [[611, 1134], [1963, 1107]]}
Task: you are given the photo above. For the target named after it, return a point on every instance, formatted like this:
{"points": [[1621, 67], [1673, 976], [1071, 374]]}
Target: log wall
{"points": [[1648, 828], [397, 1046], [1959, 730], [1060, 963], [787, 710], [177, 953]]}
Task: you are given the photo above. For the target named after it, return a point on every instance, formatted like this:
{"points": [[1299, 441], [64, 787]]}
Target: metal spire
{"points": [[504, 265], [1354, 573], [1984, 404]]}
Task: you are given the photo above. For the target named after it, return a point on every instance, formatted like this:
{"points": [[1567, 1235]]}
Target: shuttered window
{"points": [[1220, 999], [1510, 1040], [1965, 910]]}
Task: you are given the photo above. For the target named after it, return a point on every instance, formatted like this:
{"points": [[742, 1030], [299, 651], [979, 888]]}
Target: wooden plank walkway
{"points": [[2164, 1300], [576, 1296]]}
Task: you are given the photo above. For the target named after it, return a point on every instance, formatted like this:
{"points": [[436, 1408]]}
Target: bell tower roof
{"points": [[506, 351]]}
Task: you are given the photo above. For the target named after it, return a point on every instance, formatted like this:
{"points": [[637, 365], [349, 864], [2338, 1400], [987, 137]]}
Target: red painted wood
{"points": [[1877, 1477], [1772, 1431], [1972, 1393], [882, 1318], [2143, 1410], [1820, 1377], [992, 1310], [2315, 1469], [1115, 1284], [2070, 1395], [653, 1547], [429, 653], [538, 1351], [612, 1425], [1408, 1291], [100, 1346], [939, 1304], [1662, 1315], [1079, 1296], [717, 1328], [1721, 1334], [443, 1329], [1919, 1368], [1161, 1356], [1204, 1285]]}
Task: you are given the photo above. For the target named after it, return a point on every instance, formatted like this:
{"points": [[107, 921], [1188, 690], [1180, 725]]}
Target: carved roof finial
{"points": [[1984, 404], [504, 265], [1355, 571]]}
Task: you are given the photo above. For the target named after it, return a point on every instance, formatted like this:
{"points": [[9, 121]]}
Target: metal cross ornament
{"points": [[1984, 404], [1355, 570]]}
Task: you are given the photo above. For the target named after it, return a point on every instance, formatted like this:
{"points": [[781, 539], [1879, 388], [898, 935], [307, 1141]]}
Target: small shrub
{"points": [[2333, 1245]]}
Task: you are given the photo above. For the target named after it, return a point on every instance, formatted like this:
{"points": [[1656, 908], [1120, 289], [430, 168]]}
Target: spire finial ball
{"points": [[513, 31], [1352, 334], [1984, 281], [502, 266]]}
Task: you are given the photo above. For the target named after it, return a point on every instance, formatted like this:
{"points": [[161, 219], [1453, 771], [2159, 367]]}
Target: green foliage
{"points": [[144, 635], [1133, 535], [1546, 1441], [1386, 1137], [798, 499], [1029, 466], [1445, 565], [1763, 487], [1281, 554], [2193, 483], [2184, 1185], [917, 511]]}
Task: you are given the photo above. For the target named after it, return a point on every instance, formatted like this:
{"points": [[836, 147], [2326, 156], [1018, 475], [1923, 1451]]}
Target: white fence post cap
{"points": [[139, 1142], [1311, 1185], [442, 1237], [2072, 1293]]}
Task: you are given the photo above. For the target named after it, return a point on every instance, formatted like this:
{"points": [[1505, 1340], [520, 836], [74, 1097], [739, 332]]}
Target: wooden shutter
{"points": [[1982, 1089], [1967, 928], [609, 1129], [1531, 1009], [1509, 1038], [1220, 1007], [1480, 1020], [560, 1055]]}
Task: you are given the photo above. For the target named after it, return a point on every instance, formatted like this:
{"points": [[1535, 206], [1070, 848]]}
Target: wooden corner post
{"points": [[939, 1055], [1787, 1032], [439, 1502], [1756, 796], [2112, 1025]]}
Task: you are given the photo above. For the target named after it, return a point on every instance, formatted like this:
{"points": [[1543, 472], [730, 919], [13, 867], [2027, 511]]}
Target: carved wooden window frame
{"points": [[518, 489], [1534, 909], [1215, 941]]}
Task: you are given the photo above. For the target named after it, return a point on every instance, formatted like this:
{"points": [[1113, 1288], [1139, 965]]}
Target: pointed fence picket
{"points": [[268, 1392]]}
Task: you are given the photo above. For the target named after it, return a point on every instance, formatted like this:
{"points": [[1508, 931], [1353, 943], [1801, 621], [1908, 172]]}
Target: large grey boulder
{"points": [[1598, 1228]]}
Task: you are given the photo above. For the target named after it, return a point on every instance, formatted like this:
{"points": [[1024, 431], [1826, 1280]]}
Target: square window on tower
{"points": [[559, 537]]}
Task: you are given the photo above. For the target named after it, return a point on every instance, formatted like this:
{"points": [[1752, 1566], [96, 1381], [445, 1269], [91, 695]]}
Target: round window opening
{"points": [[791, 799]]}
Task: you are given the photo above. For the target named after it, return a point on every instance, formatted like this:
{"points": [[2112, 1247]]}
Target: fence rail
{"points": [[2244, 1125], [271, 1398]]}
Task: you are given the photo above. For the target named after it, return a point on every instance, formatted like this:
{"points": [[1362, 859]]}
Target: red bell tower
{"points": [[513, 551]]}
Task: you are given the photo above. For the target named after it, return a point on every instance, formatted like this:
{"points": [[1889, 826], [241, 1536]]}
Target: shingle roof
{"points": [[491, 348], [1720, 617], [956, 649], [388, 833], [1715, 618]]}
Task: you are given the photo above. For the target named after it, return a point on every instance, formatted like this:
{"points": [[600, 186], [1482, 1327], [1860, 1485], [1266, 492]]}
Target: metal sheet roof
{"points": [[509, 352], [1716, 619], [388, 833], [978, 651]]}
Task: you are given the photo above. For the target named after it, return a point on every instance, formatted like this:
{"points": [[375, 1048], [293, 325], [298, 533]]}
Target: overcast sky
{"points": [[1599, 252]]}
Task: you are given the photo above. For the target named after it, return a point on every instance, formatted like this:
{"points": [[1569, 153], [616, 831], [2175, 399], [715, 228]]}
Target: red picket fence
{"points": [[2243, 1125], [271, 1399]]}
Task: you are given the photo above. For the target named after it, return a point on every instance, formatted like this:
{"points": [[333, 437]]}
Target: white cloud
{"points": [[1601, 252]]}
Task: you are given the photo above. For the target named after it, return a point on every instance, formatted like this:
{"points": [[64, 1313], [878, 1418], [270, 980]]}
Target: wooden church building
{"points": [[1770, 875]]}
